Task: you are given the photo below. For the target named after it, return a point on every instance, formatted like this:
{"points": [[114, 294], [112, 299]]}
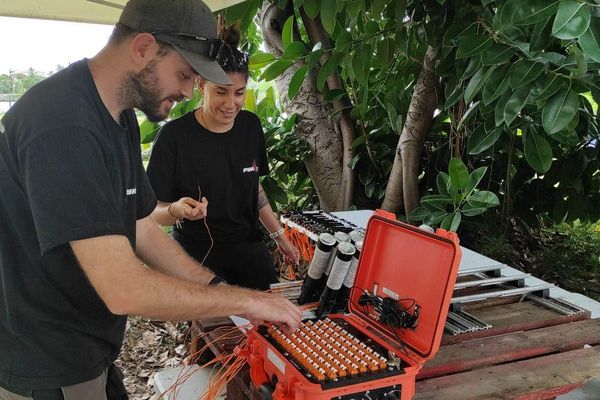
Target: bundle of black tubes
{"points": [[340, 237], [341, 302], [311, 287], [332, 271], [339, 270], [319, 222]]}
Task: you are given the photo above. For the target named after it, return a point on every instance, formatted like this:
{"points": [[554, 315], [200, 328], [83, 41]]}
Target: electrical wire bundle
{"points": [[389, 311], [225, 366]]}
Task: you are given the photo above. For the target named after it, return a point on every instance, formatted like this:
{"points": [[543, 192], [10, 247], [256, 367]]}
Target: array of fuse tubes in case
{"points": [[326, 351]]}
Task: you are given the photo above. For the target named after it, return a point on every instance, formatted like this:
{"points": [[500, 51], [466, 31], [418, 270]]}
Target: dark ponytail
{"points": [[230, 58]]}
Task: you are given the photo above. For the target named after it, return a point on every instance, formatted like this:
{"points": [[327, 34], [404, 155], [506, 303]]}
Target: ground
{"points": [[149, 347]]}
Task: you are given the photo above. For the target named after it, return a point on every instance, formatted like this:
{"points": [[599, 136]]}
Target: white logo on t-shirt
{"points": [[131, 192], [2, 129], [253, 168]]}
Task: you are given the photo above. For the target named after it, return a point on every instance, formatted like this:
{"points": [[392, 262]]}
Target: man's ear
{"points": [[200, 83], [144, 48]]}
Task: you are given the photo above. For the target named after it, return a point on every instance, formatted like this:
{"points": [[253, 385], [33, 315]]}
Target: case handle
{"points": [[385, 214]]}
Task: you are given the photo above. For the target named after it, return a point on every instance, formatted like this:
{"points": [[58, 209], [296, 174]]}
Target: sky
{"points": [[43, 45]]}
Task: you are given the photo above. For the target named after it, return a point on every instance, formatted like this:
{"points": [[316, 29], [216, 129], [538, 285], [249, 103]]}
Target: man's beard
{"points": [[141, 90]]}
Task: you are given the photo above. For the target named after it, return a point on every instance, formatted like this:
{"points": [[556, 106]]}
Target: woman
{"points": [[218, 153]]}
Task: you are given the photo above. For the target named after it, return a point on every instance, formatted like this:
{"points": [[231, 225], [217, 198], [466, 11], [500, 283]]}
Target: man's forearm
{"points": [[157, 250], [126, 286]]}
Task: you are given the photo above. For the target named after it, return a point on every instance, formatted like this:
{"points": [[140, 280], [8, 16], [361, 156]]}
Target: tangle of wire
{"points": [[230, 364], [366, 311], [212, 242]]}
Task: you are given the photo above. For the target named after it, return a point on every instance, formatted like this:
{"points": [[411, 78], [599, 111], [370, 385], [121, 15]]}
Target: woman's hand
{"points": [[189, 208], [288, 250]]}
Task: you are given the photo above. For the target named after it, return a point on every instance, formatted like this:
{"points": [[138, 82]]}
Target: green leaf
{"points": [[250, 101], [419, 214], [312, 7], [246, 24], [148, 131], [342, 41], [442, 183], [290, 122], [472, 45], [530, 12], [572, 20], [540, 38], [274, 191], [481, 140], [495, 85], [360, 63], [505, 13], [580, 60], [499, 109], [314, 57], [523, 71], [385, 50], [559, 111], [364, 104], [566, 137], [435, 218], [470, 113], [549, 84], [359, 141], [293, 51], [472, 67], [296, 82], [400, 10], [459, 176], [474, 179], [260, 60], [447, 221], [590, 40], [354, 160], [371, 28], [538, 152], [328, 14], [334, 95], [515, 104], [483, 199], [287, 34], [454, 96], [470, 211], [275, 69], [456, 218], [436, 201], [328, 69], [477, 82], [378, 6], [497, 54]]}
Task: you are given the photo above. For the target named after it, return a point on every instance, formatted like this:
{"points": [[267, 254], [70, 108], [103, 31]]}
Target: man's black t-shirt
{"points": [[188, 159], [68, 171]]}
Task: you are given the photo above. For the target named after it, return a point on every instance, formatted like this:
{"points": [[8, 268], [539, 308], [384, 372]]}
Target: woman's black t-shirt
{"points": [[188, 161]]}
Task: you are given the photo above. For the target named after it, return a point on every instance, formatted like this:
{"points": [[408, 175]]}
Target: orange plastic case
{"points": [[398, 261]]}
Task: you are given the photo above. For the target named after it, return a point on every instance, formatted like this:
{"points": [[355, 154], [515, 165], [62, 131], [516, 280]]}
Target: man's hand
{"points": [[269, 307], [189, 208]]}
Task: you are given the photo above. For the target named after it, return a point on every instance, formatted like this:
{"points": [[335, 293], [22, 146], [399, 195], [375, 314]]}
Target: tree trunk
{"points": [[313, 124], [403, 185], [317, 34]]}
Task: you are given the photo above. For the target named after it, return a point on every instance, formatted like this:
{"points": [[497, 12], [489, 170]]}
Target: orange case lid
{"points": [[404, 262]]}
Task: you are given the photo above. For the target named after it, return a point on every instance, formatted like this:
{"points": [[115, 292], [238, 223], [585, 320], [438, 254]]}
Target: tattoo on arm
{"points": [[262, 197]]}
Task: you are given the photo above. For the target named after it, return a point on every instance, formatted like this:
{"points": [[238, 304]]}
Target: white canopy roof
{"points": [[94, 11]]}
